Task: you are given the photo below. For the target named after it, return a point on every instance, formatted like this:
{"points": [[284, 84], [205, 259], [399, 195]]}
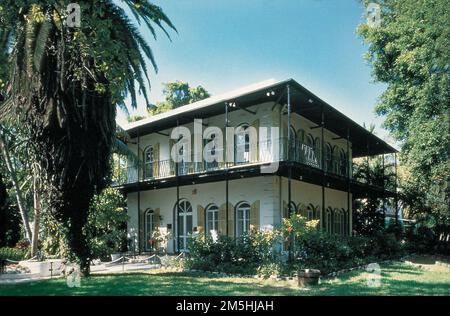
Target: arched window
{"points": [[310, 141], [293, 210], [318, 149], [338, 224], [212, 219], [311, 213], [301, 135], [149, 227], [342, 163], [242, 144], [184, 224], [345, 222], [148, 162], [242, 218], [328, 157], [293, 147], [182, 165], [211, 165], [329, 220]]}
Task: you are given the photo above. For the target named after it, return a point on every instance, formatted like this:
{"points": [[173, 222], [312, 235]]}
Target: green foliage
{"points": [[69, 82], [106, 227], [177, 94], [269, 269], [14, 254], [330, 253], [241, 255], [410, 52]]}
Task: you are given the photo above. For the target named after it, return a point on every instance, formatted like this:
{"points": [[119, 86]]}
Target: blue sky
{"points": [[225, 44]]}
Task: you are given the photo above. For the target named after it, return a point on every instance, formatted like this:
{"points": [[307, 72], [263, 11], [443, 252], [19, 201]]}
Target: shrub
{"points": [[241, 255], [14, 254], [266, 270]]}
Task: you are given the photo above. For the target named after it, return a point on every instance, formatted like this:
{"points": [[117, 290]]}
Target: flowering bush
{"points": [[234, 255]]}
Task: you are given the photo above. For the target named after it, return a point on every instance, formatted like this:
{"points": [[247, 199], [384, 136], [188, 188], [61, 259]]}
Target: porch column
{"points": [[288, 91], [322, 124], [349, 210], [175, 212], [226, 171]]}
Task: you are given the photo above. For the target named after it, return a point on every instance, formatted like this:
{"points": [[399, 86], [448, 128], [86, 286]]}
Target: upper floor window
{"points": [[242, 218], [343, 163], [301, 135], [328, 157], [149, 160], [293, 148], [212, 151], [310, 141], [242, 144]]}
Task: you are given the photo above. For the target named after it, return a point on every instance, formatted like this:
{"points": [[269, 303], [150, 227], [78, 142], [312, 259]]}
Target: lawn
{"points": [[396, 279]]}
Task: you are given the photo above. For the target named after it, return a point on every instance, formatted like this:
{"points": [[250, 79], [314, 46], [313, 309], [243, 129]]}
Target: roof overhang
{"points": [[303, 102]]}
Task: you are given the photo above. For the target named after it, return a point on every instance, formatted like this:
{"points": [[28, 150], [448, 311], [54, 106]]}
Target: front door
{"points": [[184, 224]]}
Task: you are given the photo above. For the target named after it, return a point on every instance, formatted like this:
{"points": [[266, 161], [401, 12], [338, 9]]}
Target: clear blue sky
{"points": [[225, 44]]}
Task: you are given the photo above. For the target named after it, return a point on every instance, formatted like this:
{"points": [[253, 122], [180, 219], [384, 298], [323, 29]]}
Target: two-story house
{"points": [[289, 152]]}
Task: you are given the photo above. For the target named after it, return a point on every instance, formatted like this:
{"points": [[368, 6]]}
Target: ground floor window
{"points": [[184, 224], [242, 218], [329, 220], [212, 219], [149, 225]]}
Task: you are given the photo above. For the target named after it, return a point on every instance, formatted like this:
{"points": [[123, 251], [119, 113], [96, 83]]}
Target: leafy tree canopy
{"points": [[410, 52], [177, 94]]}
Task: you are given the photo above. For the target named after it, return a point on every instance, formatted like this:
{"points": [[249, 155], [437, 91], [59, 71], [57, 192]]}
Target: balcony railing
{"points": [[266, 152]]}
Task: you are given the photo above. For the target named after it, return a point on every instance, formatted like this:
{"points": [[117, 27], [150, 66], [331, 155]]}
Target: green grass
{"points": [[396, 279]]}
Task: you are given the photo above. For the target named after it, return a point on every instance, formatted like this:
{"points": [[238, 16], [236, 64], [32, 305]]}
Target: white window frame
{"points": [[214, 210], [244, 222]]}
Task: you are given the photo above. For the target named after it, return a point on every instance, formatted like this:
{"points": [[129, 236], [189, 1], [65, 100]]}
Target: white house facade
{"points": [[289, 152]]}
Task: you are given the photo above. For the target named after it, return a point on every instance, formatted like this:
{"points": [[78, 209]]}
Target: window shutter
{"points": [[156, 160], [231, 226], [222, 220], [200, 219], [255, 148], [255, 216], [156, 215]]}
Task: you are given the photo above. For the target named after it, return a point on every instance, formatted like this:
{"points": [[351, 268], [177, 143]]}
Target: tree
{"points": [[64, 85], [410, 52], [177, 94], [370, 212], [107, 223]]}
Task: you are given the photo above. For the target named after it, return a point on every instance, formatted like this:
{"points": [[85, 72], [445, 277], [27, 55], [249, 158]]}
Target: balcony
{"points": [[267, 152]]}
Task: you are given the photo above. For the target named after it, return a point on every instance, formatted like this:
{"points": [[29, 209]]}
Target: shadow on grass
{"points": [[396, 279]]}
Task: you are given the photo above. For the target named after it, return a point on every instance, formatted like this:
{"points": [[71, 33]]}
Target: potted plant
{"points": [[308, 277]]}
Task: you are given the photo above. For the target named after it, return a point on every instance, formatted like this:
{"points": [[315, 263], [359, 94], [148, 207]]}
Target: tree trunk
{"points": [[37, 214], [19, 196]]}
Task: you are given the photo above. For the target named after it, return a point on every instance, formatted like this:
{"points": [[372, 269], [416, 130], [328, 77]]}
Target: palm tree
{"points": [[64, 85]]}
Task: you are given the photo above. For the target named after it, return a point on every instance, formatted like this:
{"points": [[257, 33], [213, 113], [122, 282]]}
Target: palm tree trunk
{"points": [[19, 196]]}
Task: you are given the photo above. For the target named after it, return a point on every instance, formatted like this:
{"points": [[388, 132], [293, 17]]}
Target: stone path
{"points": [[98, 269]]}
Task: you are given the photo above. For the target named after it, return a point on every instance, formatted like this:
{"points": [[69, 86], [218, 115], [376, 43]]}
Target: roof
{"points": [[303, 102]]}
